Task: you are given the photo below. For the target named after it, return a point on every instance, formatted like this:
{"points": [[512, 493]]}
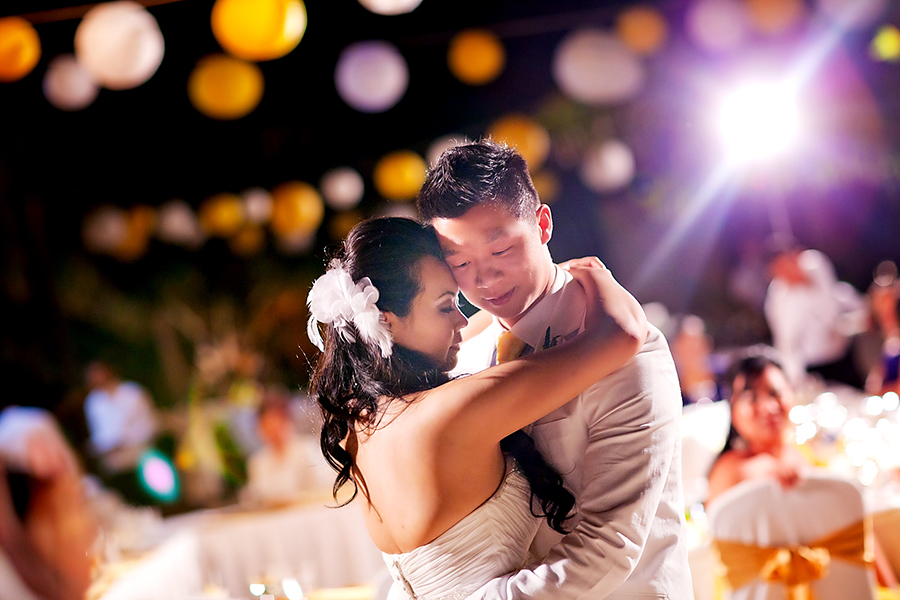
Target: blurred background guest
{"points": [[812, 316], [692, 350], [759, 444], [46, 529], [878, 349], [122, 424], [288, 465]]}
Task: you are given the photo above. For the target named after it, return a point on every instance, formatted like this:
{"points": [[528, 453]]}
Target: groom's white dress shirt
{"points": [[618, 448]]}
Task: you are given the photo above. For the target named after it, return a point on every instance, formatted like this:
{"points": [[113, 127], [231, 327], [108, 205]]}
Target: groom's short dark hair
{"points": [[469, 175]]}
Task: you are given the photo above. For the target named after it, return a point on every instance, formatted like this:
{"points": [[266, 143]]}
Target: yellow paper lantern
{"points": [[20, 48], [222, 215], [258, 29], [476, 56], [642, 29], [529, 138], [141, 223], [341, 224], [547, 186], [225, 88], [297, 210], [774, 16], [249, 241], [399, 175]]}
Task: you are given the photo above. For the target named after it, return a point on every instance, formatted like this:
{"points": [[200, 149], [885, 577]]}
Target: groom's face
{"points": [[500, 262]]}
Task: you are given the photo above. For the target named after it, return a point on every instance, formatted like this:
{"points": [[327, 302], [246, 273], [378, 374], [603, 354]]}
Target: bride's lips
{"points": [[500, 300]]}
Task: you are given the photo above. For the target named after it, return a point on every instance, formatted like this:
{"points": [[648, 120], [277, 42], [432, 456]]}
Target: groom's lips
{"points": [[500, 300]]}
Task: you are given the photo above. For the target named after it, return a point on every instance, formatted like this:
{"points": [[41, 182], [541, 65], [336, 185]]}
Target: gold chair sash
{"points": [[795, 567]]}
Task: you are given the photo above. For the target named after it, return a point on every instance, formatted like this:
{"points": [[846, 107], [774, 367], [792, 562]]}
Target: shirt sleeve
{"points": [[633, 437]]}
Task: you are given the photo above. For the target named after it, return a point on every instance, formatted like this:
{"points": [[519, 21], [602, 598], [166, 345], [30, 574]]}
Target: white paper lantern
{"points": [[371, 76], [257, 205], [595, 67], [297, 243], [120, 44], [342, 188], [390, 7], [105, 229], [67, 85], [717, 25], [607, 167], [177, 224], [853, 14], [441, 145]]}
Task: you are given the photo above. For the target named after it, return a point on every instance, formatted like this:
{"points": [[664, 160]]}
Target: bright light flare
{"points": [[758, 121]]}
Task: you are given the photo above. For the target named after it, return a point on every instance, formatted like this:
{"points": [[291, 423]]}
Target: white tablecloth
{"points": [[319, 546]]}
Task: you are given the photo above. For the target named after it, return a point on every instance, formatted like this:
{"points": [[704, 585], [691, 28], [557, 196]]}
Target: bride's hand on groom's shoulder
{"points": [[585, 261]]}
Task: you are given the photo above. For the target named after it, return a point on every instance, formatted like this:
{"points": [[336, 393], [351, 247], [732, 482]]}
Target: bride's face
{"points": [[433, 325]]}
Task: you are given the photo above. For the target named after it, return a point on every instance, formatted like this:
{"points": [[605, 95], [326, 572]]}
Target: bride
{"points": [[452, 490]]}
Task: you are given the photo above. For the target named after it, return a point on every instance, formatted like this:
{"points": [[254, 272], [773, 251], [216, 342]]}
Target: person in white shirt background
{"points": [[812, 316], [617, 445], [288, 465], [122, 424]]}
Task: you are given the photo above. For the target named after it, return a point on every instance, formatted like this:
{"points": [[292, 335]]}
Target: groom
{"points": [[617, 445]]}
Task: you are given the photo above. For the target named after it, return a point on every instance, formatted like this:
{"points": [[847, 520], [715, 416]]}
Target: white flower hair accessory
{"points": [[335, 299]]}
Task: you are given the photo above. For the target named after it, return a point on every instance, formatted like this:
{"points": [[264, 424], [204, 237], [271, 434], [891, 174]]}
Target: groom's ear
{"points": [[545, 223]]}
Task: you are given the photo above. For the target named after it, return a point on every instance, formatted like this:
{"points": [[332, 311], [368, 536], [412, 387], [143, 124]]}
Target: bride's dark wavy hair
{"points": [[350, 377]]}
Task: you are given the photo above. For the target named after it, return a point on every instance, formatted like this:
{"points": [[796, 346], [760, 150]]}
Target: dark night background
{"points": [[661, 236]]}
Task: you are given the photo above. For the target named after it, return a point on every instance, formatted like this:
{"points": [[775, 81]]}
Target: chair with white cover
{"points": [[780, 543], [704, 430]]}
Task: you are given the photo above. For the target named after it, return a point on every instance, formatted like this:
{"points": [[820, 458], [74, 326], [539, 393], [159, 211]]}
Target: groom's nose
{"points": [[486, 275]]}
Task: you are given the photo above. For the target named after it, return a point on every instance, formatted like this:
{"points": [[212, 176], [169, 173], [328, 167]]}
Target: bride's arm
{"points": [[490, 405]]}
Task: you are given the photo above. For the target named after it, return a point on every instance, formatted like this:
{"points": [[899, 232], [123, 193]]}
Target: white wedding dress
{"points": [[490, 541]]}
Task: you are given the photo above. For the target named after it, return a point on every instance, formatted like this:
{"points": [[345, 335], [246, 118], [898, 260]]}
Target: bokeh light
{"points": [[476, 56], [717, 25], [441, 145], [158, 476], [758, 121], [852, 14], [104, 229], [773, 17], [547, 185], [524, 134], [20, 48], [225, 88], [399, 175], [258, 29], [67, 85], [390, 7], [642, 28], [597, 68], [248, 241], [222, 215], [341, 224], [297, 211], [141, 224], [608, 166], [257, 205], [371, 76], [885, 45], [342, 188], [120, 44], [177, 224]]}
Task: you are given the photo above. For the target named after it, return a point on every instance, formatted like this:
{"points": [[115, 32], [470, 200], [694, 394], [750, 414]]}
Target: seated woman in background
{"points": [[759, 444]]}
